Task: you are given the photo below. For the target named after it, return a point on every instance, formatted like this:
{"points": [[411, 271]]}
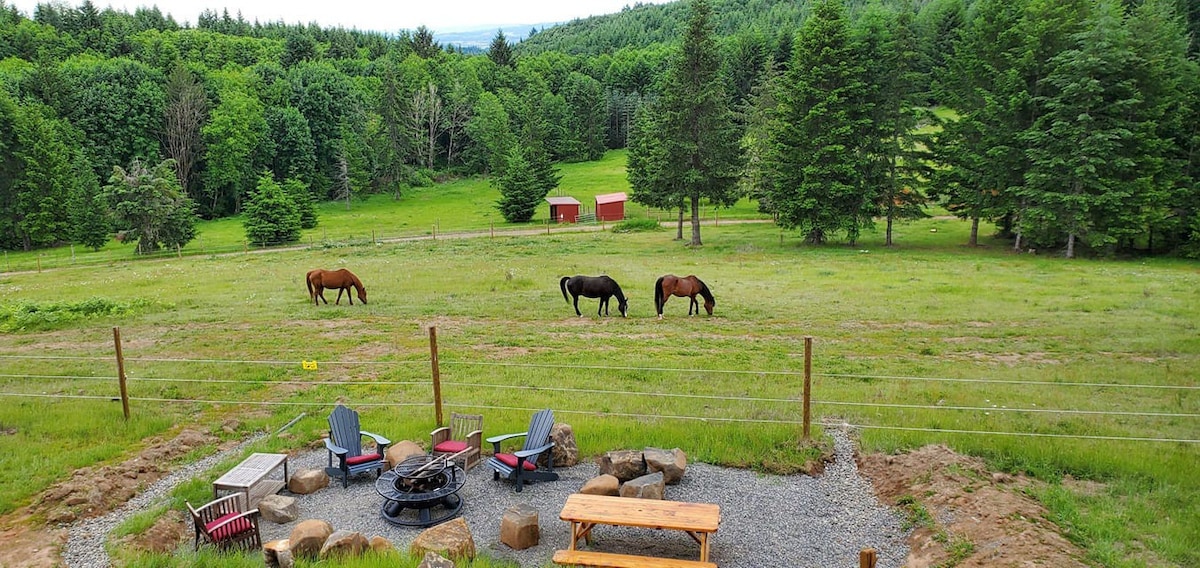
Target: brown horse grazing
{"points": [[318, 280], [671, 285]]}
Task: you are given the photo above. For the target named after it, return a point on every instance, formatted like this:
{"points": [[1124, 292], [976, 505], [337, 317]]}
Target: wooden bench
{"points": [[612, 560], [252, 478], [584, 512]]}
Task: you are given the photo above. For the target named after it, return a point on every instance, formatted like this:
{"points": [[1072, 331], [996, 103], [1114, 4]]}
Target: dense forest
{"points": [[1074, 125]]}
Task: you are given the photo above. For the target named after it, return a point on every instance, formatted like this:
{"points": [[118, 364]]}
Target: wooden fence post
{"points": [[39, 262], [807, 384], [437, 375], [121, 372], [373, 241], [867, 558]]}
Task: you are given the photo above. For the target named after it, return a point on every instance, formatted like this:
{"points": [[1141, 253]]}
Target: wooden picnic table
{"points": [[584, 512]]}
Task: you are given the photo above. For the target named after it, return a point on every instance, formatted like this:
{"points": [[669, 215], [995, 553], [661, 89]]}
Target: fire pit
{"points": [[424, 486]]}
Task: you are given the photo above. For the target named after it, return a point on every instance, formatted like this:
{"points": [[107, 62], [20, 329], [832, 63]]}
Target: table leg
{"points": [[574, 535], [704, 547]]}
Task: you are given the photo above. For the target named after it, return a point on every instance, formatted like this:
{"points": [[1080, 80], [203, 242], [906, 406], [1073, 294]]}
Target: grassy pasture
{"points": [[508, 342]]}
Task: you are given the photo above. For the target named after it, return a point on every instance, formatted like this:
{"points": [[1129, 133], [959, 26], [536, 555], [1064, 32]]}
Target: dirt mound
{"points": [[964, 515]]}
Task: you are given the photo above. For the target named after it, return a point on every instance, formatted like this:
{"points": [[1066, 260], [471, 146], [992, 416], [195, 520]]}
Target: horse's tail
{"points": [[308, 282], [563, 285], [704, 291], [658, 295]]}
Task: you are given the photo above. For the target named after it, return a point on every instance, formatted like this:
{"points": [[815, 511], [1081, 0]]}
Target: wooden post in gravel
{"points": [[867, 558], [437, 375], [807, 384], [121, 372]]}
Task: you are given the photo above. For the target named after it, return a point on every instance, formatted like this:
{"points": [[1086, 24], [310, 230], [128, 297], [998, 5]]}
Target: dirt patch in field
{"points": [[975, 517], [32, 537], [1014, 359]]}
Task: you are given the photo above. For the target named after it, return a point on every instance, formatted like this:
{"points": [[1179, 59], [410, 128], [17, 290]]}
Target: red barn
{"points": [[610, 207], [563, 209]]}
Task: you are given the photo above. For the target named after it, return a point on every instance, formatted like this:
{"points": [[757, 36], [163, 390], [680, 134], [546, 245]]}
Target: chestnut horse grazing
{"points": [[671, 285], [318, 280]]}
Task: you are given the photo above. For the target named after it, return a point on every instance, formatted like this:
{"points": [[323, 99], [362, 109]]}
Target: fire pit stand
{"points": [[425, 486]]}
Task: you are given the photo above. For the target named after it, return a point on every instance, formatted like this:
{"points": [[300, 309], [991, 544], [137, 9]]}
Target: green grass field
{"points": [[212, 336]]}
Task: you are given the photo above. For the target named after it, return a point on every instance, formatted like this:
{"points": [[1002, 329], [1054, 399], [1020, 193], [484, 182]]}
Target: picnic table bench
{"points": [[584, 512]]}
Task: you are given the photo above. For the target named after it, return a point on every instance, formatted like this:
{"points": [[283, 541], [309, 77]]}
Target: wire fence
{"points": [[536, 381]]}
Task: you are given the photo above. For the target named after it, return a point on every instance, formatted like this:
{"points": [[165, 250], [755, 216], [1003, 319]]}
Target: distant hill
{"points": [[481, 38], [646, 24]]}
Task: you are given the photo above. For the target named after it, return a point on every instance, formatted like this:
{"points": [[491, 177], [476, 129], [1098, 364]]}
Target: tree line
{"points": [[1067, 123]]}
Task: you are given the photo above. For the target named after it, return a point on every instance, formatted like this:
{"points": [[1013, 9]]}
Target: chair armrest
{"points": [[495, 440], [440, 435], [334, 448], [379, 440], [474, 439], [534, 451]]}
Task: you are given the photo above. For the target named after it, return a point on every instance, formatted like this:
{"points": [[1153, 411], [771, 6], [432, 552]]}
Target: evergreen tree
{"points": [[150, 206], [500, 52], [271, 215], [817, 157], [521, 191], [648, 181], [87, 207], [305, 203], [759, 116], [700, 140], [423, 44]]}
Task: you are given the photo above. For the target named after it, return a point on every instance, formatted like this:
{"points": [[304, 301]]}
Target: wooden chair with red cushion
{"points": [[345, 442], [521, 466], [462, 439], [222, 524]]}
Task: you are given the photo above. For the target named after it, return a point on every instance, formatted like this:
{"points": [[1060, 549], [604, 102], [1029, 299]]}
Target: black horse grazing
{"points": [[601, 287]]}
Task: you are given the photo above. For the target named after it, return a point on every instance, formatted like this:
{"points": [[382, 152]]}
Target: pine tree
{"points": [[699, 138], [520, 189], [817, 157], [500, 52], [271, 215]]}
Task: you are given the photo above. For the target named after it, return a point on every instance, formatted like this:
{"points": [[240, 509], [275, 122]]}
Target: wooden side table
{"points": [[254, 478]]}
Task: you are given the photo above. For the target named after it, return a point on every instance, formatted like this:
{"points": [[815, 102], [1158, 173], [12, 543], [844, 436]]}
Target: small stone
{"points": [[649, 486], [308, 537], [279, 509], [344, 543], [434, 560], [308, 481], [451, 539], [602, 485], [519, 527]]}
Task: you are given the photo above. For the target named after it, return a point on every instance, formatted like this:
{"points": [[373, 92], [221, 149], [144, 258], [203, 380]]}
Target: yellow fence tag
{"points": [[309, 365]]}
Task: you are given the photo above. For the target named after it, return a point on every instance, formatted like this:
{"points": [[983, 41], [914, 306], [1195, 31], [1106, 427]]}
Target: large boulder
{"points": [[623, 464], [401, 451], [602, 485], [308, 481], [344, 543], [672, 463], [278, 554], [308, 537], [451, 539], [382, 545], [279, 509], [565, 451], [649, 486]]}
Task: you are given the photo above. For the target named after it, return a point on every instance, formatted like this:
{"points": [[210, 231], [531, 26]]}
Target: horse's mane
{"points": [[617, 291], [357, 283], [705, 292]]}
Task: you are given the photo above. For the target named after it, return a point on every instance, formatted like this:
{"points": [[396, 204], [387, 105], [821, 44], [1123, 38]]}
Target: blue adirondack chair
{"points": [[521, 466], [345, 442]]}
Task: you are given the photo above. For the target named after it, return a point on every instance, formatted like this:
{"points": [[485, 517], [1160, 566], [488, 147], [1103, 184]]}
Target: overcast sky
{"points": [[377, 15]]}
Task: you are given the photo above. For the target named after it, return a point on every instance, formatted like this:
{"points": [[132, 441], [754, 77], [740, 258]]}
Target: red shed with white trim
{"points": [[563, 209], [610, 206]]}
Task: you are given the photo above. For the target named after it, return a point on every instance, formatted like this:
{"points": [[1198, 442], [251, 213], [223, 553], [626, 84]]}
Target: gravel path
{"points": [[766, 520]]}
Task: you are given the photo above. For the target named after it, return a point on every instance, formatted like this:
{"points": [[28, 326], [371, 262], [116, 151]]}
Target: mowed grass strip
{"points": [[728, 385]]}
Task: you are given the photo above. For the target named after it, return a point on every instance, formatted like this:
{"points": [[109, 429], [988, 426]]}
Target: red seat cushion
{"points": [[363, 459], [450, 447], [511, 461], [236, 527]]}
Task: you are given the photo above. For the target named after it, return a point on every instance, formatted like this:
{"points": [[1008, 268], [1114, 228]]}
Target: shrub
{"points": [[636, 226]]}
